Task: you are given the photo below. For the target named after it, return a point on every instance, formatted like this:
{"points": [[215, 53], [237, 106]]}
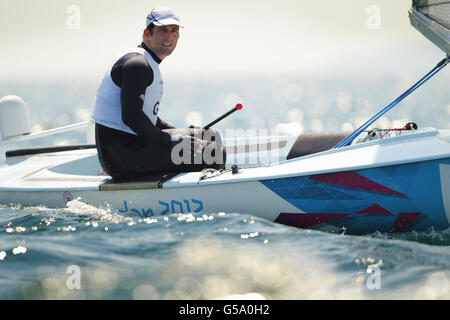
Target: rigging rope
{"points": [[347, 140]]}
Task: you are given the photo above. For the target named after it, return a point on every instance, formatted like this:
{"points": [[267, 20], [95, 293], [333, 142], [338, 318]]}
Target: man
{"points": [[131, 139]]}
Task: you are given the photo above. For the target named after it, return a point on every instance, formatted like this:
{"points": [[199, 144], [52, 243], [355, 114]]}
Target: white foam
{"points": [[78, 207]]}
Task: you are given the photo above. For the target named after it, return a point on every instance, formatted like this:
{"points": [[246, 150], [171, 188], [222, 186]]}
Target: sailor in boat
{"points": [[131, 139]]}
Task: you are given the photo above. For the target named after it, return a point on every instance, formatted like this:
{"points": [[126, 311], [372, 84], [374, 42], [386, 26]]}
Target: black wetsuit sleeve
{"points": [[163, 125], [136, 76]]}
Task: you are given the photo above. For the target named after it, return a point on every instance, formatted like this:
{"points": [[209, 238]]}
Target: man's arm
{"points": [[163, 125], [135, 78]]}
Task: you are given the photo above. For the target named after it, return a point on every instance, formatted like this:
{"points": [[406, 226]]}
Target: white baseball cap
{"points": [[163, 16]]}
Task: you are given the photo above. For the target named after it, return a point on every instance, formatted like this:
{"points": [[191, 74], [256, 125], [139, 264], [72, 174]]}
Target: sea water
{"points": [[84, 252], [87, 252]]}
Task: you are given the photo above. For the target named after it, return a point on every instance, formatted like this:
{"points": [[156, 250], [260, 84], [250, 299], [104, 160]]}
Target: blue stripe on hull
{"points": [[392, 199]]}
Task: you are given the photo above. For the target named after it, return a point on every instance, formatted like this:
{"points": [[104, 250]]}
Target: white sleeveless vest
{"points": [[107, 105]]}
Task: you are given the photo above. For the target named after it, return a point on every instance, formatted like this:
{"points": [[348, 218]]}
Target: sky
{"points": [[80, 38]]}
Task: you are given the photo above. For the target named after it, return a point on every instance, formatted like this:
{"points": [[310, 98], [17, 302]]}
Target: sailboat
{"points": [[357, 183]]}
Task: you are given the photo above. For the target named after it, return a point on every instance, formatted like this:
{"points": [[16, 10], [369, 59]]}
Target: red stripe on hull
{"points": [[306, 220], [351, 179], [374, 209], [403, 219]]}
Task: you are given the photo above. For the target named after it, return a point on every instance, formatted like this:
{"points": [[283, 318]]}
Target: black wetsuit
{"points": [[125, 155]]}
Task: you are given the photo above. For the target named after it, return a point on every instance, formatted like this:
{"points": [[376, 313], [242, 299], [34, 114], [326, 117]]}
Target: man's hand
{"points": [[197, 145]]}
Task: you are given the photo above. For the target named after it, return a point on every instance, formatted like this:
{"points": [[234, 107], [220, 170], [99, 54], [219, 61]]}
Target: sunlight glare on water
{"points": [[207, 256]]}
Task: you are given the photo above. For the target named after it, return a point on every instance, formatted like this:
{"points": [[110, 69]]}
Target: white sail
{"points": [[432, 19]]}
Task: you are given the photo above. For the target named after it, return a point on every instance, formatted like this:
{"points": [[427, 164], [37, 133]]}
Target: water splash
{"points": [[431, 236], [84, 210]]}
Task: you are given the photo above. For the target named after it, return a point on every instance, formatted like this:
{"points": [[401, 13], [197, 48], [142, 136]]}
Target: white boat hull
{"points": [[391, 185]]}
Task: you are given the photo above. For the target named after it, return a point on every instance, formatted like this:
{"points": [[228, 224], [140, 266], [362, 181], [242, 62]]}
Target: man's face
{"points": [[163, 40]]}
